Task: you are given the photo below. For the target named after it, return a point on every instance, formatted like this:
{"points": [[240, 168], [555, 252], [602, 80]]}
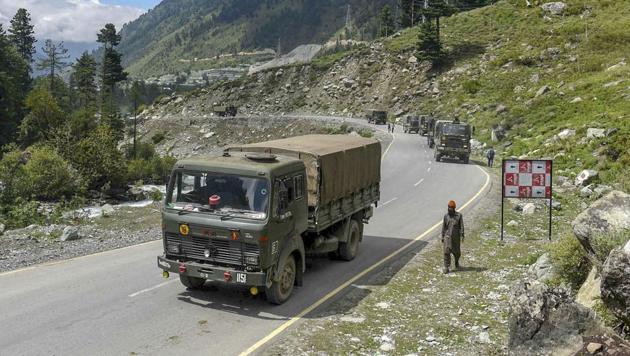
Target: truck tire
{"points": [[281, 290], [191, 282], [437, 156], [348, 250], [466, 159]]}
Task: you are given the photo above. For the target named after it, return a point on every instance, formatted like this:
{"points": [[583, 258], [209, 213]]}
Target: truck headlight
{"points": [[174, 248], [251, 260]]}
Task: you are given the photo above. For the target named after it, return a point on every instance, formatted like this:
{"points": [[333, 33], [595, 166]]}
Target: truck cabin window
{"points": [[456, 130], [219, 193]]}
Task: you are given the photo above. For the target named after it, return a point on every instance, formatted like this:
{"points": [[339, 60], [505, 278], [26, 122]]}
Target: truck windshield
{"points": [[231, 195], [455, 130]]}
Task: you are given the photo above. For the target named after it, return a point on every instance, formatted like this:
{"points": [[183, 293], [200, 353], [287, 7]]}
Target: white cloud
{"points": [[69, 20]]}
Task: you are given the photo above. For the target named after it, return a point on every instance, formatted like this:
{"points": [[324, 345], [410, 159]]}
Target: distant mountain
{"points": [[179, 30]]}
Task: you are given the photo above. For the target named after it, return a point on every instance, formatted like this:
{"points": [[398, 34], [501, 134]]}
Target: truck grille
{"points": [[222, 252], [455, 143]]}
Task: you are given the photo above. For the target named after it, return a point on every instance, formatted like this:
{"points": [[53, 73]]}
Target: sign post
{"points": [[526, 179]]}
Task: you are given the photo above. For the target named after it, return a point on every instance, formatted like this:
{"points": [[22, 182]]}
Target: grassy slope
{"points": [[513, 38]]}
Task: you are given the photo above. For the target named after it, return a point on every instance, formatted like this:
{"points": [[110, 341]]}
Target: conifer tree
{"points": [[55, 58], [111, 73], [84, 79], [387, 21], [22, 35], [13, 71]]}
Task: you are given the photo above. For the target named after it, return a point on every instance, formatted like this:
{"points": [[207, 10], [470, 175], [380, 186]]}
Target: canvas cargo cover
{"points": [[336, 165]]}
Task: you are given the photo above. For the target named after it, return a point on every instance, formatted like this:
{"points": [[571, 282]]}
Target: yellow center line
{"points": [[332, 293]]}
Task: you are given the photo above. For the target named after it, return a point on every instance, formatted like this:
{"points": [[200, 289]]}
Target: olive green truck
{"points": [[251, 216]]}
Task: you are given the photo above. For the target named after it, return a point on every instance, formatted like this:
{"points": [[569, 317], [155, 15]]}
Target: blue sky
{"points": [[75, 20]]}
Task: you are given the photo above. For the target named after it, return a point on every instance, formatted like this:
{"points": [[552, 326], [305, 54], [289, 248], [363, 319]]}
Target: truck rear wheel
{"points": [[281, 289], [191, 282], [348, 250]]}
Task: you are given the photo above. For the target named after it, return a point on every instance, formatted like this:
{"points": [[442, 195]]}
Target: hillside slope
{"points": [[187, 29], [514, 70]]}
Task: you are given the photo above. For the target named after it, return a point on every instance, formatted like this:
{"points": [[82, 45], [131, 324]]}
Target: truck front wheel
{"points": [[281, 289], [191, 282], [348, 250]]}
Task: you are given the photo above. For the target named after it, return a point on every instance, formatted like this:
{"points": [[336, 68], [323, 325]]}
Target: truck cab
{"points": [[452, 139], [411, 124], [378, 117]]}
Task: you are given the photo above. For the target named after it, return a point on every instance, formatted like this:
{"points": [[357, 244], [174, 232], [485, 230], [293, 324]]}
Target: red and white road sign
{"points": [[527, 179]]}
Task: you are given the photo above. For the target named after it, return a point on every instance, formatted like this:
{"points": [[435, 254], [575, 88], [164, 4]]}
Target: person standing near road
{"points": [[389, 127], [452, 236], [490, 156]]}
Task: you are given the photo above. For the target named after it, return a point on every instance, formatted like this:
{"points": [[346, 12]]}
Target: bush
{"points": [[144, 151], [157, 138], [23, 213], [471, 86], [11, 174], [155, 170], [48, 175], [568, 257]]}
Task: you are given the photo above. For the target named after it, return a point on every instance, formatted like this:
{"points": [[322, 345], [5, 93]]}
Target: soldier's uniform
{"points": [[452, 235]]}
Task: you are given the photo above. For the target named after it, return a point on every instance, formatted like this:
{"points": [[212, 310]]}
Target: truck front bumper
{"points": [[212, 273], [453, 151]]}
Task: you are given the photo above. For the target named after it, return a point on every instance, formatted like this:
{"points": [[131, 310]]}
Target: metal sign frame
{"points": [[541, 181]]}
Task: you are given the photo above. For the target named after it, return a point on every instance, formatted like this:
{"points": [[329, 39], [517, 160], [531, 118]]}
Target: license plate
{"points": [[204, 275], [241, 278]]}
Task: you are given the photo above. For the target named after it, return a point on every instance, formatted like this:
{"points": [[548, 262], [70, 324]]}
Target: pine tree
{"points": [[111, 73], [22, 35], [429, 47], [387, 21], [54, 60], [409, 13], [13, 71], [84, 79]]}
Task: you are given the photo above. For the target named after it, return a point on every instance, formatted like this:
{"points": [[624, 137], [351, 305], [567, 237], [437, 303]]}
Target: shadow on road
{"points": [[322, 276]]}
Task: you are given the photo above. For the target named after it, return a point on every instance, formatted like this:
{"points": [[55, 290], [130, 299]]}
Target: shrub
{"points": [[568, 257], [98, 159], [144, 150], [48, 175], [155, 170], [23, 213], [11, 174], [157, 138], [471, 86]]}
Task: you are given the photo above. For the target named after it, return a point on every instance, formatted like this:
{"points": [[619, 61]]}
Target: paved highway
{"points": [[116, 302]]}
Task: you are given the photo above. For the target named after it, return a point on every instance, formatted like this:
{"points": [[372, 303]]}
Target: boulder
{"points": [[70, 233], [500, 109], [586, 192], [543, 270], [592, 133], [601, 189], [107, 210], [589, 292], [512, 223], [554, 8], [566, 133], [2, 228], [497, 134], [609, 214], [585, 177], [575, 100], [529, 209], [136, 193], [542, 90], [615, 283], [412, 60], [543, 320]]}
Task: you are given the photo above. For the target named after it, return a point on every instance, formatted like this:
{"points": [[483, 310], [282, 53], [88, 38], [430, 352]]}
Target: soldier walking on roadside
{"points": [[490, 156], [389, 127], [452, 236]]}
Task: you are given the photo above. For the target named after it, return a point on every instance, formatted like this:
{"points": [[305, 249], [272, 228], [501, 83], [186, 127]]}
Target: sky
{"points": [[74, 20]]}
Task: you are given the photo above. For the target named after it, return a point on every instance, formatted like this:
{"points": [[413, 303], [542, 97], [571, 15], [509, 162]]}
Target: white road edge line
{"points": [[151, 288], [389, 201], [349, 282], [418, 183]]}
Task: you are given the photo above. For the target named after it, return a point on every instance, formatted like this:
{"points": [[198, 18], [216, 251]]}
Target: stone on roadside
{"points": [[500, 109], [136, 193], [593, 347], [512, 223], [543, 270], [615, 283], [609, 214], [70, 233], [586, 192], [107, 210], [575, 100], [412, 60], [529, 209], [566, 133], [589, 292], [484, 337], [593, 132], [585, 177], [2, 228], [554, 8], [544, 89]]}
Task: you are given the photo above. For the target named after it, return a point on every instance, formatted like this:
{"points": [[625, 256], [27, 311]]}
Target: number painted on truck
{"points": [[204, 275], [241, 278]]}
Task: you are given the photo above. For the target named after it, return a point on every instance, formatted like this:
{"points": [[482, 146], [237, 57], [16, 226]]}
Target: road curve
{"points": [[116, 302]]}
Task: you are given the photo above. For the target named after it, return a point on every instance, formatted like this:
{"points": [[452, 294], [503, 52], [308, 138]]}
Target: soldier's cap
{"points": [[451, 204]]}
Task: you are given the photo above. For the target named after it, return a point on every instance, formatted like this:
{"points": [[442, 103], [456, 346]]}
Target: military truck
{"points": [[424, 125], [411, 124], [378, 117], [431, 131], [251, 216], [224, 110], [452, 139]]}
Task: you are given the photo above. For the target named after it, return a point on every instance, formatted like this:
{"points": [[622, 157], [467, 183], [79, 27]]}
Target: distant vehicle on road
{"points": [[224, 110], [452, 139], [378, 117], [431, 131], [411, 124], [424, 125], [251, 216]]}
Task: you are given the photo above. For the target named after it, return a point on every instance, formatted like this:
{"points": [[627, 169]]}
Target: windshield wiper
{"points": [[199, 209], [231, 213]]}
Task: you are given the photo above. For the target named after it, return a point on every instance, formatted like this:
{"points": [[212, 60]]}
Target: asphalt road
{"points": [[116, 302]]}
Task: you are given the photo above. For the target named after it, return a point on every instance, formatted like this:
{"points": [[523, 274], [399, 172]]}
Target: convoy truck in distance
{"points": [[378, 117], [411, 124], [251, 216], [424, 125], [452, 139], [224, 110]]}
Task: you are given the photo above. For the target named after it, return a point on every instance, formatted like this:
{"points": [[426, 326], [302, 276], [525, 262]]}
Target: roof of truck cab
{"points": [[317, 145], [236, 160]]}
